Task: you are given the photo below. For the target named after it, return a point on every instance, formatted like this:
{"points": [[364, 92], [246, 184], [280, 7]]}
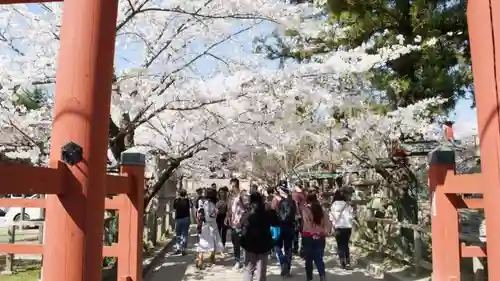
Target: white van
{"points": [[13, 214]]}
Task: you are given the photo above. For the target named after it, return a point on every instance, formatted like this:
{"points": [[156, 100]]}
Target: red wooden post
{"points": [[131, 218], [484, 33], [448, 131], [74, 220], [444, 218]]}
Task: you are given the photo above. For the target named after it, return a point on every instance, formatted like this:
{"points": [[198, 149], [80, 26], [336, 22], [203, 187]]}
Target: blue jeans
{"points": [[314, 251], [181, 233], [283, 247]]}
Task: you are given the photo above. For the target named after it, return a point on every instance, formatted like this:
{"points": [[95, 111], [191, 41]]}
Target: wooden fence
{"points": [[476, 267], [157, 225]]}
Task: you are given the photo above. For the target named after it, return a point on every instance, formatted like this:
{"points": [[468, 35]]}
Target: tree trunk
{"points": [[407, 207]]}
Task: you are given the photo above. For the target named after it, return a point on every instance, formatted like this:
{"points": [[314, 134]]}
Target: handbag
{"points": [[275, 232]]}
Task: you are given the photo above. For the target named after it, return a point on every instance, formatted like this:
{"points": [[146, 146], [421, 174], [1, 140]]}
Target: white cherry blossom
{"points": [[178, 108]]}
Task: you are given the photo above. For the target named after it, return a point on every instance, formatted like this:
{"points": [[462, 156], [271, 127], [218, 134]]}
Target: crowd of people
{"points": [[276, 222]]}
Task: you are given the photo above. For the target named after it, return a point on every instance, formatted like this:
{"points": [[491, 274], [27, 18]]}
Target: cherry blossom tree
{"points": [[162, 47], [165, 102]]}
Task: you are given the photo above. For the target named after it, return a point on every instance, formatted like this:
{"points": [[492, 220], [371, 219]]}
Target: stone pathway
{"points": [[182, 268]]}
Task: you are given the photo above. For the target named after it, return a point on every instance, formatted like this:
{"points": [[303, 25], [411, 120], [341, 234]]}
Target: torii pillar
{"points": [[483, 19], [74, 220]]}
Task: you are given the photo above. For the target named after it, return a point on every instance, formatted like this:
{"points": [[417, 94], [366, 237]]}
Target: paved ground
{"points": [[182, 268]]}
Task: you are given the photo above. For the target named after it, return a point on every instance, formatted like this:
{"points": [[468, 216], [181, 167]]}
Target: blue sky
{"points": [[465, 118]]}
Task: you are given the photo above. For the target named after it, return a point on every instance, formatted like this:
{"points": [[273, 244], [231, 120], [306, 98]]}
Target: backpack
{"points": [[255, 235], [275, 232], [254, 232], [201, 211], [287, 209]]}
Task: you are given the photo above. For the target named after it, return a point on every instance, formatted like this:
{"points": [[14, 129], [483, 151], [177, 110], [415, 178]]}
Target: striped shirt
{"points": [[237, 211]]}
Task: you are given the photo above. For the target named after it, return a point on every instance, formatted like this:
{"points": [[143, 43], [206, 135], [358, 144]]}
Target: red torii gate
{"points": [[483, 18], [75, 205], [75, 214]]}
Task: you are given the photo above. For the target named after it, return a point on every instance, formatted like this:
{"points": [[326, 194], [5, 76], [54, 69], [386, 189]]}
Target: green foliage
{"points": [[110, 234], [32, 99], [441, 68], [111, 229], [23, 273]]}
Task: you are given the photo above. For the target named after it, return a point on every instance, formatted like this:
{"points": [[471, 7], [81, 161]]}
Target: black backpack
{"points": [[255, 234], [201, 212], [287, 209]]}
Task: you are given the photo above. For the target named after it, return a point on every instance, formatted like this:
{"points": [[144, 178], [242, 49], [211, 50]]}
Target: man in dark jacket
{"points": [[256, 237], [286, 210], [182, 206]]}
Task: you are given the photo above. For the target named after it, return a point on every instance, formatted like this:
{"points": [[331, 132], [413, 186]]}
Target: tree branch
{"points": [[198, 14], [174, 163]]}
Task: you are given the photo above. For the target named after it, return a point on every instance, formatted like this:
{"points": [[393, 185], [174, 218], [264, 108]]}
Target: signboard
{"points": [[419, 148]]}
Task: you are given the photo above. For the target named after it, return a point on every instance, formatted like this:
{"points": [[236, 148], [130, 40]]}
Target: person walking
{"points": [[316, 226], [210, 241], [269, 198], [200, 211], [287, 211], [222, 210], [182, 207], [200, 195], [299, 198], [341, 215], [256, 239], [254, 188], [236, 211]]}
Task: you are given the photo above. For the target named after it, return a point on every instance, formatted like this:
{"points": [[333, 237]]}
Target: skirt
{"points": [[210, 240]]}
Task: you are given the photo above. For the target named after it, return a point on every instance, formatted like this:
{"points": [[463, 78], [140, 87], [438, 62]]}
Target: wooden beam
{"points": [[111, 204], [118, 184], [7, 2], [115, 203], [474, 203], [472, 251], [465, 203], [110, 251], [24, 179], [465, 184], [21, 202], [35, 249]]}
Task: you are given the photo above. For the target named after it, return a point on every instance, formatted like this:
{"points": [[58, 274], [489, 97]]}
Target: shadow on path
{"points": [[182, 268]]}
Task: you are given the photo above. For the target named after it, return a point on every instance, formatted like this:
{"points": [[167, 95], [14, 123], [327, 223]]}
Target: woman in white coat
{"points": [[210, 240], [341, 216]]}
